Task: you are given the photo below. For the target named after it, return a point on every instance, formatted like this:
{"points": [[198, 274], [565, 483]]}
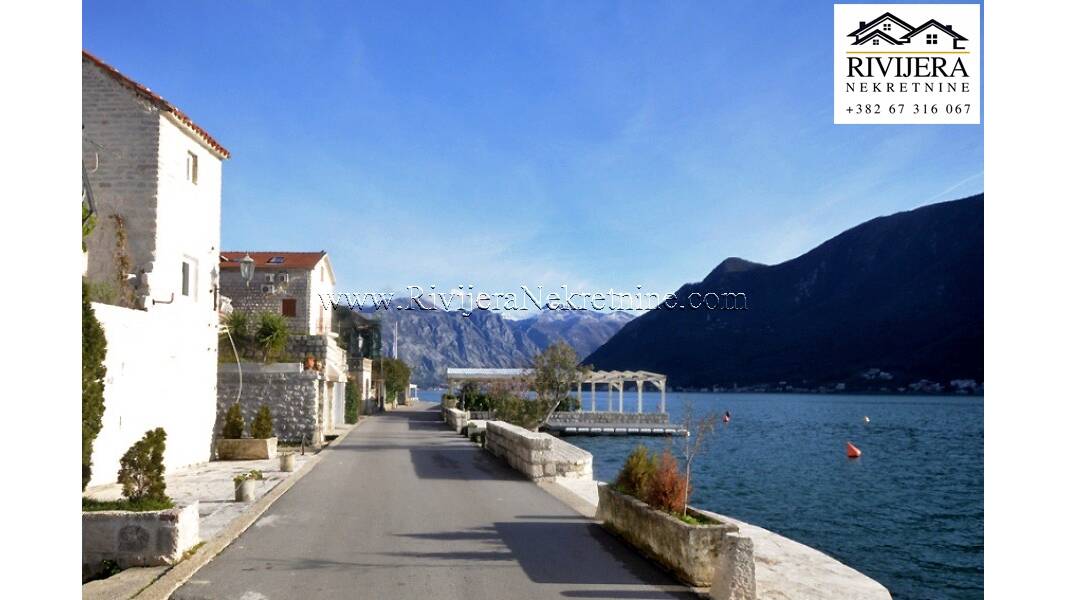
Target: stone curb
{"points": [[169, 582]]}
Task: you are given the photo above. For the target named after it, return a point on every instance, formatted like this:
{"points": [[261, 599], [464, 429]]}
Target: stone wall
{"points": [[538, 456], [455, 418], [713, 555], [295, 399], [253, 300], [121, 153], [655, 418]]}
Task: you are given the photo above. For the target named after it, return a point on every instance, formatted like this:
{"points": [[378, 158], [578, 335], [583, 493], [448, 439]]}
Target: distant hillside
{"points": [[584, 330], [880, 307], [433, 340]]}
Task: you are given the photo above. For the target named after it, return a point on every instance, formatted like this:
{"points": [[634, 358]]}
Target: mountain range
{"points": [[430, 341], [893, 305]]}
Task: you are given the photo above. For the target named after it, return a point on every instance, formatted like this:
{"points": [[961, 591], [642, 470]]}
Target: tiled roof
{"points": [[288, 260], [156, 100]]}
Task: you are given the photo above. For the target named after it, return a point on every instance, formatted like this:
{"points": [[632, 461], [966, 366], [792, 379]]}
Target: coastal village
{"points": [[231, 401]]}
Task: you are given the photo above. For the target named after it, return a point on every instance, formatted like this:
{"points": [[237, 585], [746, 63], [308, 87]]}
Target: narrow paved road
{"points": [[404, 508]]}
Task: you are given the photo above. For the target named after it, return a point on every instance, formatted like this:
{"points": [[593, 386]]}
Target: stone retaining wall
{"points": [[538, 456], [655, 418], [293, 397], [455, 418], [714, 556]]}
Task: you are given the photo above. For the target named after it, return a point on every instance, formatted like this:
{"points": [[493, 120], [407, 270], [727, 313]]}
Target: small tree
{"points": [[263, 424], [353, 400], [397, 376], [141, 470], [233, 426], [271, 335], [93, 371], [555, 371], [699, 430]]}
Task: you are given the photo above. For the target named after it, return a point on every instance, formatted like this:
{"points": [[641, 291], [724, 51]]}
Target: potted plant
{"points": [[647, 506], [262, 444], [145, 527], [244, 485], [309, 362]]}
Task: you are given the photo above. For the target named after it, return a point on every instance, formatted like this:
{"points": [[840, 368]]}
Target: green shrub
{"points": [[271, 335], [449, 401], [233, 426], [93, 371], [636, 474], [262, 424], [254, 475], [353, 400], [141, 468]]}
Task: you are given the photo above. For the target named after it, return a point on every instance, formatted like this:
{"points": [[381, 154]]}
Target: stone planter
{"points": [[246, 449], [137, 539], [712, 556], [244, 491], [287, 462]]}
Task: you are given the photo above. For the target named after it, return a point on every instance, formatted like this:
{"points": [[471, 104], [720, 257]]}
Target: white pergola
{"points": [[615, 380]]}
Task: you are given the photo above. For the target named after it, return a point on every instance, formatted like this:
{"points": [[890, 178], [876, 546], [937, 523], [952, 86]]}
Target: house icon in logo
{"points": [[890, 30]]}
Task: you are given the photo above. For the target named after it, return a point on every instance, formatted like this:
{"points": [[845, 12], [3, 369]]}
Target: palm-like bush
{"points": [[271, 335]]}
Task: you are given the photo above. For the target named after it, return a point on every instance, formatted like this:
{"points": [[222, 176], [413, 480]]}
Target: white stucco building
{"points": [[156, 179]]}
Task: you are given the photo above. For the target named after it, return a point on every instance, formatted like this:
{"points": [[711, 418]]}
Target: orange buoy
{"points": [[853, 451]]}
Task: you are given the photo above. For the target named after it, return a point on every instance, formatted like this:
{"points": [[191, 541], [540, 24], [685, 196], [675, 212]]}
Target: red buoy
{"points": [[853, 451]]}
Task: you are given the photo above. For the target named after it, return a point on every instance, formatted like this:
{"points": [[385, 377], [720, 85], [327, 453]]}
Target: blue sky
{"points": [[503, 144]]}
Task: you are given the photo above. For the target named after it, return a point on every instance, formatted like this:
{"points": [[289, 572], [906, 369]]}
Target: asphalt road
{"points": [[405, 508]]}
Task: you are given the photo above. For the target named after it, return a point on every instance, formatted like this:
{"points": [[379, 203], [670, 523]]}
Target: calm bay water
{"points": [[908, 513]]}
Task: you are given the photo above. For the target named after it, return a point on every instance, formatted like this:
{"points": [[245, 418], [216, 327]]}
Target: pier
{"points": [[614, 421]]}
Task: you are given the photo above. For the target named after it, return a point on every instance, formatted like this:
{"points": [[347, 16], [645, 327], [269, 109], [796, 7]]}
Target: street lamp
{"points": [[247, 268]]}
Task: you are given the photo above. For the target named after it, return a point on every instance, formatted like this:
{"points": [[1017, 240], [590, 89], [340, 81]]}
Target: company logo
{"points": [[887, 70], [890, 30]]}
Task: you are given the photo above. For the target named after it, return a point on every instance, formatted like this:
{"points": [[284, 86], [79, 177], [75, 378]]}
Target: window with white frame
{"points": [[192, 167]]}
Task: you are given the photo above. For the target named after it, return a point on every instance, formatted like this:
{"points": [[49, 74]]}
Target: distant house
{"points": [[156, 182], [292, 284], [297, 286]]}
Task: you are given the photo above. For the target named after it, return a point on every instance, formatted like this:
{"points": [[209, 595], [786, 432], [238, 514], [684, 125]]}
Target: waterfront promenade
{"points": [[404, 508]]}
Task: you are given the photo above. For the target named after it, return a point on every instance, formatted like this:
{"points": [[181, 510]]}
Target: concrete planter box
{"points": [[246, 448], [710, 556], [137, 539]]}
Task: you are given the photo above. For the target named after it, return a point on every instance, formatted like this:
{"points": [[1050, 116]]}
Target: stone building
{"points": [[299, 287], [152, 258]]}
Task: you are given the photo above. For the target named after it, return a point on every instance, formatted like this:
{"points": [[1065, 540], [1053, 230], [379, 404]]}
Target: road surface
{"points": [[405, 508]]}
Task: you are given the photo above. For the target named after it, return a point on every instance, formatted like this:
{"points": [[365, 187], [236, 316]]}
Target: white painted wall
{"points": [[162, 361], [156, 377], [321, 285]]}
